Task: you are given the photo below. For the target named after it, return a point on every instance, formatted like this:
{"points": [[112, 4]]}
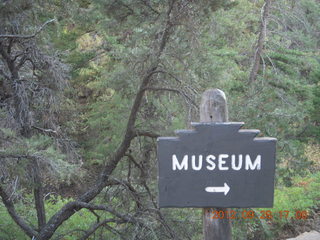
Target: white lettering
{"points": [[222, 162], [255, 165], [209, 160], [194, 167], [176, 165], [233, 162]]}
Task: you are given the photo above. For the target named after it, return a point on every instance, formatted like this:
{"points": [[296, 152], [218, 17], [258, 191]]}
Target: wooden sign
{"points": [[216, 165]]}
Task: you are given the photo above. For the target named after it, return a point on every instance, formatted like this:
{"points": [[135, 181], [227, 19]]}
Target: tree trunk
{"points": [[261, 41]]}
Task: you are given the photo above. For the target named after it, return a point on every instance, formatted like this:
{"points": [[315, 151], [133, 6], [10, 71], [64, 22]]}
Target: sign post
{"points": [[216, 165], [214, 108]]}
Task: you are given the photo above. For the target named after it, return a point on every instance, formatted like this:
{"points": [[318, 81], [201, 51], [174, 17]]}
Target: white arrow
{"points": [[225, 189]]}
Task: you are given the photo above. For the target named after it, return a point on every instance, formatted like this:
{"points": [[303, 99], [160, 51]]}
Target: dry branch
{"points": [[45, 130], [28, 36], [5, 155], [172, 90], [95, 227]]}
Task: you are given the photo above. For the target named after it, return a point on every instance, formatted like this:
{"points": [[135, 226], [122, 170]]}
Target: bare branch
{"points": [[177, 79], [28, 36], [156, 209], [45, 130], [4, 53], [173, 90], [18, 55], [5, 155], [89, 206], [11, 41], [147, 4], [22, 61], [133, 192], [99, 224], [9, 62], [96, 215], [131, 158]]}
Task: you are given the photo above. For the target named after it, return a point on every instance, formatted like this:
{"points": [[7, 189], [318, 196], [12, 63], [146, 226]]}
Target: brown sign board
{"points": [[216, 165]]}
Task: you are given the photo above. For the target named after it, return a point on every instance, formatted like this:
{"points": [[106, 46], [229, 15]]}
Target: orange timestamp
{"points": [[261, 214]]}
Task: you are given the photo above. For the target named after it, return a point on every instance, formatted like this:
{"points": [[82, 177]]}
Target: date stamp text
{"points": [[262, 214]]}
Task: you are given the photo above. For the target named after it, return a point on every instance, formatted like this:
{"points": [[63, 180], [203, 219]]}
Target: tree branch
{"points": [[28, 36], [156, 209], [38, 195], [147, 4], [12, 212], [96, 215], [89, 206], [9, 62], [4, 53], [133, 192], [175, 91], [131, 158], [97, 225], [37, 188], [5, 155], [45, 130]]}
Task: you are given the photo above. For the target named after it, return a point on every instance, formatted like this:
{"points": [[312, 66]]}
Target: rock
{"points": [[313, 235]]}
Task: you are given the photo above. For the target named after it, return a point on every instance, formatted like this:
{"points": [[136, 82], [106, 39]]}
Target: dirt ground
{"points": [[308, 229]]}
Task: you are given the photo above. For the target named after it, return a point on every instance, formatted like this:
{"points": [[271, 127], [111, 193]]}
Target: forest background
{"points": [[87, 86]]}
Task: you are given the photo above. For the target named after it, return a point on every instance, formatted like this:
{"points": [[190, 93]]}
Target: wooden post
{"points": [[213, 108]]}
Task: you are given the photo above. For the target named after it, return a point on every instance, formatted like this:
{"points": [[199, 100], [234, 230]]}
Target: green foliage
{"points": [[314, 127], [71, 230], [80, 221], [304, 195], [8, 228], [42, 148], [66, 39], [101, 120]]}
